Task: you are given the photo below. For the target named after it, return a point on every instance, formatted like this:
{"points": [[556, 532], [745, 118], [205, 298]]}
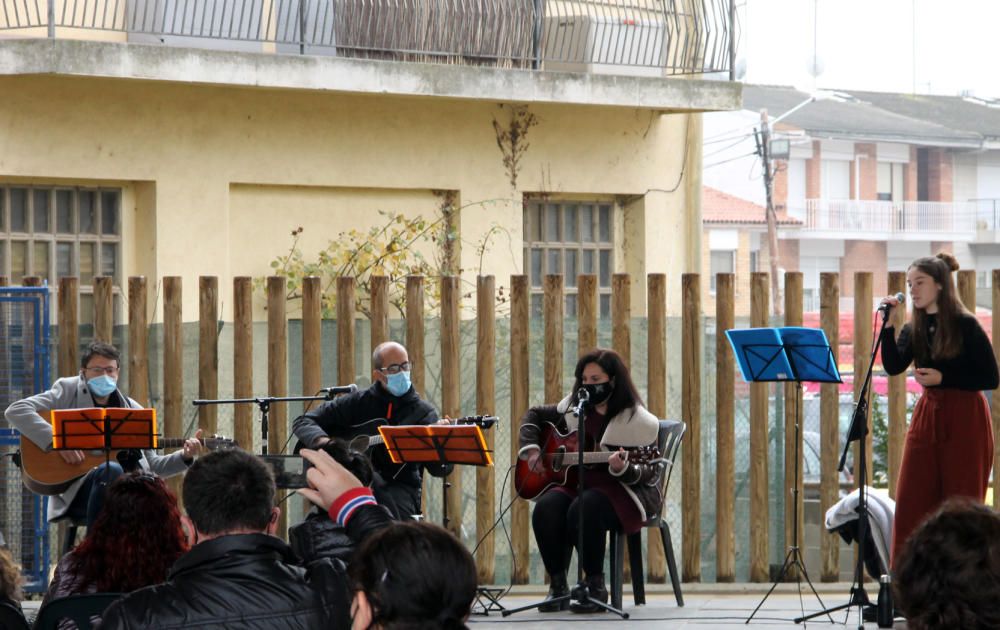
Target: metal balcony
{"points": [[645, 37], [882, 220]]}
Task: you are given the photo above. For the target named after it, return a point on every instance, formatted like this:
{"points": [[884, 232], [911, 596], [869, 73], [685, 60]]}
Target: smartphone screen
{"points": [[289, 471]]}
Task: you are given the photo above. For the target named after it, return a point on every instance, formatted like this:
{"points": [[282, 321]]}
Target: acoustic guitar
{"points": [[46, 472], [558, 462]]}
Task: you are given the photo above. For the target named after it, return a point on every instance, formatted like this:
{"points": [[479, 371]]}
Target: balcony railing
{"points": [[882, 218], [654, 37]]}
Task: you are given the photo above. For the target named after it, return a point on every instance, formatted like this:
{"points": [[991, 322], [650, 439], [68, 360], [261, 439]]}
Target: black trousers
{"points": [[555, 523]]}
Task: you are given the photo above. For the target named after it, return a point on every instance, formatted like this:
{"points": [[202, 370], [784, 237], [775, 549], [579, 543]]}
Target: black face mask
{"points": [[599, 392]]}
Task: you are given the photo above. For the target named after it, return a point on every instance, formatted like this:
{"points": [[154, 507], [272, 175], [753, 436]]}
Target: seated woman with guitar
{"points": [[616, 497]]}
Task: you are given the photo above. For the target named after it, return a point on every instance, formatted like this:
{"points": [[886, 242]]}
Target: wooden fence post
{"points": [[587, 310], [380, 310], [863, 302], [104, 309], [691, 412], [967, 288], [621, 317], [486, 404], [829, 424], [138, 341], [415, 351], [208, 353], [725, 438], [520, 331], [243, 431], [277, 374], [656, 398], [451, 388], [345, 330], [794, 513], [312, 335], [173, 362], [759, 535], [69, 328], [897, 391]]}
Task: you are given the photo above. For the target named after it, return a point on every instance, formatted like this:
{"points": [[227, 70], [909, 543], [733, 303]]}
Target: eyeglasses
{"points": [[97, 371], [396, 368]]}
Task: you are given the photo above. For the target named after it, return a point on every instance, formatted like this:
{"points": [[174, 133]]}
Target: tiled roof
{"points": [[869, 116], [718, 207]]}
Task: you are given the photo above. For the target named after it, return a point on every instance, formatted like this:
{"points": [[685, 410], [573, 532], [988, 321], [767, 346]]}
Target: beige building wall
{"points": [[742, 275], [216, 178]]}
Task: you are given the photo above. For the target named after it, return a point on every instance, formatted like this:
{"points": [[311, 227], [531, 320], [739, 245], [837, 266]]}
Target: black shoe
{"points": [[557, 588], [596, 591]]}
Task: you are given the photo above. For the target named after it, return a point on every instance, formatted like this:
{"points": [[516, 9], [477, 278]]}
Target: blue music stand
{"points": [[793, 354]]}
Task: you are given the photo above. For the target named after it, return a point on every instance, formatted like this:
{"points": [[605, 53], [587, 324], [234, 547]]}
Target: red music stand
{"points": [[103, 429], [436, 444]]}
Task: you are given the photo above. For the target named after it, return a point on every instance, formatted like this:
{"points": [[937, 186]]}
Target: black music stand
{"points": [[789, 354], [443, 444]]}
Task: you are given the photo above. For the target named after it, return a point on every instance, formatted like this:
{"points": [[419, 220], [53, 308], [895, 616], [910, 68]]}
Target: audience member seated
{"points": [[412, 576], [237, 573], [948, 574], [135, 539], [10, 580], [318, 536]]}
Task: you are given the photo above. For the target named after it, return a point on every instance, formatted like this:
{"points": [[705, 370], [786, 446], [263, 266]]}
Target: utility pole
{"points": [[764, 151]]}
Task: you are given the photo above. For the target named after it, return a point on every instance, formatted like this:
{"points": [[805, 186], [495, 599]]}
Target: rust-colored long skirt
{"points": [[948, 452]]}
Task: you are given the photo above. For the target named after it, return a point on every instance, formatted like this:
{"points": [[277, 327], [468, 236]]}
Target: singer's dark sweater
{"points": [[974, 369]]}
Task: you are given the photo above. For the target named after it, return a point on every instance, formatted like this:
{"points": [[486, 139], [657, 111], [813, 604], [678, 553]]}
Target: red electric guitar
{"points": [[557, 465]]}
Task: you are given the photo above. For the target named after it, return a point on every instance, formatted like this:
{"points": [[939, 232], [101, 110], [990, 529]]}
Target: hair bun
{"points": [[949, 260]]}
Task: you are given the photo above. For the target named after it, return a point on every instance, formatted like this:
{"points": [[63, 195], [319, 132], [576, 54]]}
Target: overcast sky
{"points": [[870, 44]]}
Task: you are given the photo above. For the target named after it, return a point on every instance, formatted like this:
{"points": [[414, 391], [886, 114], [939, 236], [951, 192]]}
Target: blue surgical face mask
{"points": [[398, 384], [102, 386]]}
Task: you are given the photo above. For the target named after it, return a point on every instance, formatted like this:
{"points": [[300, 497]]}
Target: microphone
{"points": [[582, 395], [884, 308], [330, 392]]}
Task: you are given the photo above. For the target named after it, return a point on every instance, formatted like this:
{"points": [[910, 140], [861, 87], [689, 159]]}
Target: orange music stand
{"points": [[103, 429], [436, 444]]}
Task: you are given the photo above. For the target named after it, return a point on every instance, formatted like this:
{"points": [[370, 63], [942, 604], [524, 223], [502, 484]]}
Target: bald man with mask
{"points": [[390, 400]]}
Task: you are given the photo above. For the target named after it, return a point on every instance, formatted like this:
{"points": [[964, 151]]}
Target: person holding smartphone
{"points": [[949, 446]]}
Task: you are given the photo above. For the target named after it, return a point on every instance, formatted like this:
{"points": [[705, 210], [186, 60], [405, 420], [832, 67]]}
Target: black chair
{"points": [[11, 617], [668, 441], [72, 527], [79, 609]]}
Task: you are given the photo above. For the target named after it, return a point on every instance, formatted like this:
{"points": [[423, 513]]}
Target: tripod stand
{"points": [[580, 593], [857, 432], [792, 354]]}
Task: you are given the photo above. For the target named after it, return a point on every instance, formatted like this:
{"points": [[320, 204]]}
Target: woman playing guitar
{"points": [[617, 497]]}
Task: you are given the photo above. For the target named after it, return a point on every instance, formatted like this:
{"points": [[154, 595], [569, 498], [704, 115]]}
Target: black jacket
{"points": [[246, 582], [361, 413]]}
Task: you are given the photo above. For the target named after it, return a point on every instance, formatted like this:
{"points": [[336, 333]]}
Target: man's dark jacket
{"points": [[246, 582], [361, 413]]}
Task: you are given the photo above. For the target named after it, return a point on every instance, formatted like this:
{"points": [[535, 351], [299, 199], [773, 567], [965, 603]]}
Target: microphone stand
{"points": [[857, 432], [265, 406], [580, 592]]}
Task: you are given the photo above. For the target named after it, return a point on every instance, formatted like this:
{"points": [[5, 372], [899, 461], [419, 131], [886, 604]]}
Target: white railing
{"points": [[888, 217]]}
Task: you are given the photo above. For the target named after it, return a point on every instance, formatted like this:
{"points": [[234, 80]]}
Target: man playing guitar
{"points": [[95, 386], [392, 400]]}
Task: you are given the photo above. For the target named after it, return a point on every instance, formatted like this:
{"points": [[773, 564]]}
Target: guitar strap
{"points": [[388, 412]]}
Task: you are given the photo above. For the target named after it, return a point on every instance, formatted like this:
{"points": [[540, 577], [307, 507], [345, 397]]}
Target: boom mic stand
{"points": [[580, 592], [264, 404], [859, 429]]}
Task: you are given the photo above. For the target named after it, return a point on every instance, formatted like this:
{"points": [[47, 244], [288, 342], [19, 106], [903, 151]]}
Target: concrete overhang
{"points": [[63, 57]]}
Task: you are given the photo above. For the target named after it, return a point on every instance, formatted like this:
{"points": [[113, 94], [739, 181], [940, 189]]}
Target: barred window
{"points": [[54, 232], [569, 238]]}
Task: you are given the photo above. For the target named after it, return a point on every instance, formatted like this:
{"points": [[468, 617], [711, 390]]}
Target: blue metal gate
{"points": [[24, 371]]}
